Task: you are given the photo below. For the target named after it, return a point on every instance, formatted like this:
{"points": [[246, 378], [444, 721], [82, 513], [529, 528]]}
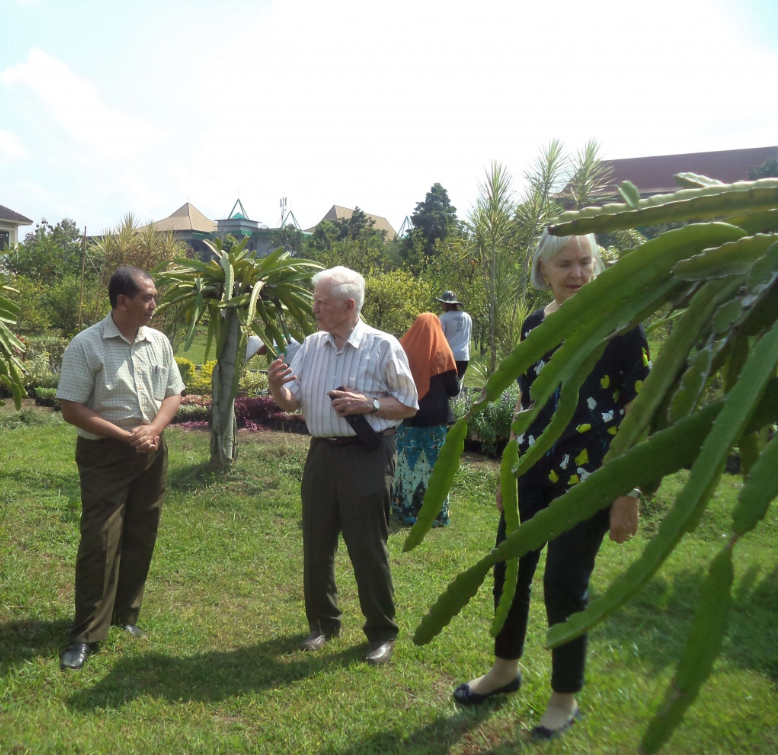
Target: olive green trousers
{"points": [[121, 502]]}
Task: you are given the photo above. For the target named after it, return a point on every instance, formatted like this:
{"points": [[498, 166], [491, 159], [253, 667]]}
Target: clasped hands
{"points": [[144, 439]]}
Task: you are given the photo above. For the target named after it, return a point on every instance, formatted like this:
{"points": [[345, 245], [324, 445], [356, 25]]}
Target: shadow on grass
{"points": [[210, 676], [658, 620], [21, 641], [437, 738], [186, 477]]}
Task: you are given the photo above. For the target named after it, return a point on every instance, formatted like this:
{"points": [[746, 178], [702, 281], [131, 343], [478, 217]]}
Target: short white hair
{"points": [[346, 284], [548, 248]]}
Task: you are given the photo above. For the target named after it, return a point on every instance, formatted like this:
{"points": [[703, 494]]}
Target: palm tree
{"points": [[11, 368], [237, 292]]}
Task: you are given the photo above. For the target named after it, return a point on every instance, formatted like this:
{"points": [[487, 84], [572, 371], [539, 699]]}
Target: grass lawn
{"points": [[220, 673]]}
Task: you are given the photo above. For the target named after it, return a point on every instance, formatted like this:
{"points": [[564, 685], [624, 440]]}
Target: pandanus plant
{"points": [[717, 279], [11, 369], [238, 292]]}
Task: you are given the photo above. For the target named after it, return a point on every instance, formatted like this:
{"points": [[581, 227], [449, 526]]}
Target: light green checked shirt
{"points": [[125, 383]]}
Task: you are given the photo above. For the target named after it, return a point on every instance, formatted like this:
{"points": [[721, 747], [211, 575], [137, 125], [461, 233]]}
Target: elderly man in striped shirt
{"points": [[120, 386], [345, 371]]}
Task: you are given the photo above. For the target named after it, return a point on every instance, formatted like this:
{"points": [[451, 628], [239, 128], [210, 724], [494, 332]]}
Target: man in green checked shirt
{"points": [[120, 386]]}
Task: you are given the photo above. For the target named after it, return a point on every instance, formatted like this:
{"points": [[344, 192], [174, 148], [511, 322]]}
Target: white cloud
{"points": [[11, 148], [77, 106]]}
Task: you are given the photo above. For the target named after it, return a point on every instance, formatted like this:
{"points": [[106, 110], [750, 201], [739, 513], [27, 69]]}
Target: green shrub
{"points": [[253, 382], [46, 396], [39, 373], [200, 381], [186, 368], [491, 428]]}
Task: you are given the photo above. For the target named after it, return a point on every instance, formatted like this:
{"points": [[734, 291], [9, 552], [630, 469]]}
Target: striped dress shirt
{"points": [[371, 362], [123, 382]]}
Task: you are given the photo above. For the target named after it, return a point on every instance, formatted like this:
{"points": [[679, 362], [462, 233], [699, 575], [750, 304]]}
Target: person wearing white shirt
{"points": [[457, 327], [346, 373]]}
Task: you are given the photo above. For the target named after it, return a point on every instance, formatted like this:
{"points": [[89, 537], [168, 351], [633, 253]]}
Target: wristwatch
{"points": [[376, 406]]}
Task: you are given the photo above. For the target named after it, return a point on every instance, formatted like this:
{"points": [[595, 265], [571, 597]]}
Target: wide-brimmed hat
{"points": [[448, 297]]}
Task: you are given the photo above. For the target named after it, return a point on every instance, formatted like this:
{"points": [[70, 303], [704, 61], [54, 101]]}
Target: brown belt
{"points": [[349, 440]]}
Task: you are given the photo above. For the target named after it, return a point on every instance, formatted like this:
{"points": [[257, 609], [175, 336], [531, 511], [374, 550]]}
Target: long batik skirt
{"points": [[417, 452]]}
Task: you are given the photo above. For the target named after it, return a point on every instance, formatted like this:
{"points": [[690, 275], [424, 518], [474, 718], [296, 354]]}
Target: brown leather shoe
{"points": [[75, 655], [379, 653], [316, 640]]}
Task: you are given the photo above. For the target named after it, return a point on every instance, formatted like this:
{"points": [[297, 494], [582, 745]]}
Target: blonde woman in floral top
{"points": [[563, 265]]}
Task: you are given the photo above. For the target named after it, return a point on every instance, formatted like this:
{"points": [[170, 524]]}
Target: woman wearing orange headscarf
{"points": [[420, 438]]}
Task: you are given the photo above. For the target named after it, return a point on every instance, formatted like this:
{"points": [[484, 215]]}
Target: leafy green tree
{"points": [[47, 253], [238, 292], [718, 277], [394, 299], [292, 239], [434, 218]]}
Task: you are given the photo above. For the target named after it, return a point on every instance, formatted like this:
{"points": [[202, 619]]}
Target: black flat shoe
{"points": [[542, 734], [75, 655], [465, 696]]}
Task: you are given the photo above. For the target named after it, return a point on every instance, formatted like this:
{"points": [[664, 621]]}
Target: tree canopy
{"points": [[434, 218]]}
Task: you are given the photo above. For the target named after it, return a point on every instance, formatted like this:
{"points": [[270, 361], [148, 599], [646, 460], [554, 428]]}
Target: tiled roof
{"points": [[186, 218], [336, 212], [14, 217]]}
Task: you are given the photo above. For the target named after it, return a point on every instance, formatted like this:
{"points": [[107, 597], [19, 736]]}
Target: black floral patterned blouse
{"points": [[613, 383]]}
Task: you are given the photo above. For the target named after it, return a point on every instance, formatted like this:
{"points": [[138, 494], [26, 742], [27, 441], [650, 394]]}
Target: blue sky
{"points": [[108, 108]]}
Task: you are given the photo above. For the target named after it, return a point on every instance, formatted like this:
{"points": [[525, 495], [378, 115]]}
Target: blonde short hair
{"points": [[548, 248]]}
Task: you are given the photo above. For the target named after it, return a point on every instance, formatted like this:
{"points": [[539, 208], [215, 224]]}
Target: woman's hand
{"points": [[625, 516]]}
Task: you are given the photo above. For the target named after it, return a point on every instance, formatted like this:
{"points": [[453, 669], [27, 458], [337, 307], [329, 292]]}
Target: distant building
{"points": [[191, 226], [655, 175], [188, 224], [9, 226], [336, 212]]}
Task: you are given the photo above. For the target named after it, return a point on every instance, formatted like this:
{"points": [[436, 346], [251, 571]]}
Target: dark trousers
{"points": [[348, 489], [121, 502], [569, 564], [461, 368]]}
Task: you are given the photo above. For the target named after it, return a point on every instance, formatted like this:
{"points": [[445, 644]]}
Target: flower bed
{"points": [[255, 413]]}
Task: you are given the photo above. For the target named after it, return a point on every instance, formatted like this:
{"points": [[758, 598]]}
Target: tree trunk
{"points": [[226, 374]]}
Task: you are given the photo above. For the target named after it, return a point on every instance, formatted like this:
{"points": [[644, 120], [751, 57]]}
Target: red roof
{"points": [[654, 175]]}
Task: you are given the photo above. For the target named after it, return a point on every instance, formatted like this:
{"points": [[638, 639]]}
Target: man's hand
{"points": [[498, 498], [625, 517], [278, 375], [144, 439], [349, 402]]}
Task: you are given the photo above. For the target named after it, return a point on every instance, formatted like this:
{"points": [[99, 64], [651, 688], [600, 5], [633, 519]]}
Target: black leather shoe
{"points": [[379, 653], [465, 696], [75, 655], [542, 734], [133, 629], [316, 640]]}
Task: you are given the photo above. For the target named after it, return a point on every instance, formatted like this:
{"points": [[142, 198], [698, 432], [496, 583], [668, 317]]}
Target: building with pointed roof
{"points": [[189, 225], [336, 212], [10, 220]]}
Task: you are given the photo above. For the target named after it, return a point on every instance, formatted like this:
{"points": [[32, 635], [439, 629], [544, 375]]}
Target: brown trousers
{"points": [[121, 502], [348, 489]]}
